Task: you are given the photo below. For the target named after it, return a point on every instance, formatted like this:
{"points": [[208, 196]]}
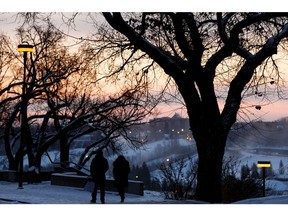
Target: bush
{"points": [[238, 189], [179, 178]]}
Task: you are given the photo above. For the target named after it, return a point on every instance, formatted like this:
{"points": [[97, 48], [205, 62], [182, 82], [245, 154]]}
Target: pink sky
{"points": [[274, 111], [270, 112]]}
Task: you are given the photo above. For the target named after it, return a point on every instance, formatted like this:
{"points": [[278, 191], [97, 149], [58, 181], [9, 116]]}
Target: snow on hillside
{"points": [[158, 152], [250, 158]]}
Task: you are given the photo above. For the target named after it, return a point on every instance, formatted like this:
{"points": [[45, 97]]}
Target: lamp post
{"points": [[23, 48], [264, 165]]}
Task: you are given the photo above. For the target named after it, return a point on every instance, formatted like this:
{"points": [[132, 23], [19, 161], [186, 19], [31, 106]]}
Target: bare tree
{"points": [[212, 58], [64, 100], [179, 177]]}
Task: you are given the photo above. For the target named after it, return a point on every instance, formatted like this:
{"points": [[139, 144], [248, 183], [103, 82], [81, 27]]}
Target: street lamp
{"points": [[23, 48], [264, 165]]}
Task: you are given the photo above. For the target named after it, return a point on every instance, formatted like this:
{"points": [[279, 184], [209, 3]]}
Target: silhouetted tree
{"points": [[63, 101], [281, 168], [235, 188], [254, 171], [200, 52], [212, 59], [178, 177], [245, 172], [145, 175], [141, 173]]}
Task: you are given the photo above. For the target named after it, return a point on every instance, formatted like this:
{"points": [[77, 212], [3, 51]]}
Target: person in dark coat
{"points": [[98, 168], [121, 170]]}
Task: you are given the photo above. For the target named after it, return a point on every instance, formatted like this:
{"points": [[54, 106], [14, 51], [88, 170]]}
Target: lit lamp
{"points": [[23, 48], [264, 165]]}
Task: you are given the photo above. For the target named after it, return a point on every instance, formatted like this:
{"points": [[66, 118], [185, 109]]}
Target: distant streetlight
{"points": [[264, 165], [23, 48]]}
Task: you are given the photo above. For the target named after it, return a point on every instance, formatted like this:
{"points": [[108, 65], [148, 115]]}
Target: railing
{"points": [[84, 180], [65, 166]]}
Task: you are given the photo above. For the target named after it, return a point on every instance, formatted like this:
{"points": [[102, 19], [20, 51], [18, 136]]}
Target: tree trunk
{"points": [[12, 160], [210, 168], [64, 151], [210, 136]]}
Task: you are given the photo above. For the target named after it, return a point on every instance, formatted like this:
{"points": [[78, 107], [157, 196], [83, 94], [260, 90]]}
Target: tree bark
{"points": [[64, 151], [210, 155]]}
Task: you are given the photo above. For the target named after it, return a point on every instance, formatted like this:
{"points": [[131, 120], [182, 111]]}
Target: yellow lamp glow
{"points": [[264, 164], [25, 48]]}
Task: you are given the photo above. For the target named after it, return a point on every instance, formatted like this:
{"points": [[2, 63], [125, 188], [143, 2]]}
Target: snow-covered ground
{"points": [[77, 200], [45, 193]]}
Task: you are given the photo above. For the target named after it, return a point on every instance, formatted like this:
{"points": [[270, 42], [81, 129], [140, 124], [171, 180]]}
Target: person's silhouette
{"points": [[121, 170], [98, 168]]}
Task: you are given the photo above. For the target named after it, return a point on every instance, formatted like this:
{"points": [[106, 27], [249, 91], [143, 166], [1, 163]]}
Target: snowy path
{"points": [[79, 200], [45, 193]]}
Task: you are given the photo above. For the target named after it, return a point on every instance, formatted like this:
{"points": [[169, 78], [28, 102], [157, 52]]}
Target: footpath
{"points": [[45, 193]]}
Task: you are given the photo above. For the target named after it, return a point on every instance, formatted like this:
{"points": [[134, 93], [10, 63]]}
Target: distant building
{"points": [[166, 127]]}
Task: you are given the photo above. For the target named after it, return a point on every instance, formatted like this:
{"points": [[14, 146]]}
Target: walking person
{"points": [[98, 168], [121, 170]]}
